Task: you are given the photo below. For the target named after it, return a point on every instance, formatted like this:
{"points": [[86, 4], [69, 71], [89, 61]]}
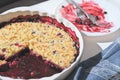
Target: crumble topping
{"points": [[48, 41]]}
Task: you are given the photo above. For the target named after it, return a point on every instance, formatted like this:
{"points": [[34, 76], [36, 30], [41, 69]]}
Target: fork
{"points": [[81, 13]]}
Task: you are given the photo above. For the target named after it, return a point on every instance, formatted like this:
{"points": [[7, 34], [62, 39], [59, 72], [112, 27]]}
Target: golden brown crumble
{"points": [[49, 41]]}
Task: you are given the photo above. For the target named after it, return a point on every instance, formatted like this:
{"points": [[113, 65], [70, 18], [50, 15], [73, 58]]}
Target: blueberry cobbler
{"points": [[35, 46]]}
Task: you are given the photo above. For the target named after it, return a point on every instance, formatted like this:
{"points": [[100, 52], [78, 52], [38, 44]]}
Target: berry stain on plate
{"points": [[92, 8]]}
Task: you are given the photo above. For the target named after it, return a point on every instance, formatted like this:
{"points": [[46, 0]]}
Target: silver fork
{"points": [[81, 13]]}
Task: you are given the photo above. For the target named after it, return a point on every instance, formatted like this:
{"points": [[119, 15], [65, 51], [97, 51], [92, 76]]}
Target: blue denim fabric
{"points": [[104, 66]]}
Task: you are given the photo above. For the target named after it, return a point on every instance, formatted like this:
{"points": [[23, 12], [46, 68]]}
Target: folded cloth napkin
{"points": [[104, 66]]}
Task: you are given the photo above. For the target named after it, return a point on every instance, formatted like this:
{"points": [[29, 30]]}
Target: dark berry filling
{"points": [[28, 66]]}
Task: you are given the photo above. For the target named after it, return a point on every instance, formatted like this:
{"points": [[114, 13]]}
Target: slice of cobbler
{"points": [[35, 46]]}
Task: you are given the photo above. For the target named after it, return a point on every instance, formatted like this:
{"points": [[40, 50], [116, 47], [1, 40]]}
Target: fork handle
{"points": [[78, 7]]}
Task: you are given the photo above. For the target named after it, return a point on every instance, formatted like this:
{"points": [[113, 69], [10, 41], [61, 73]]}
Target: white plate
{"points": [[65, 72], [113, 15]]}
